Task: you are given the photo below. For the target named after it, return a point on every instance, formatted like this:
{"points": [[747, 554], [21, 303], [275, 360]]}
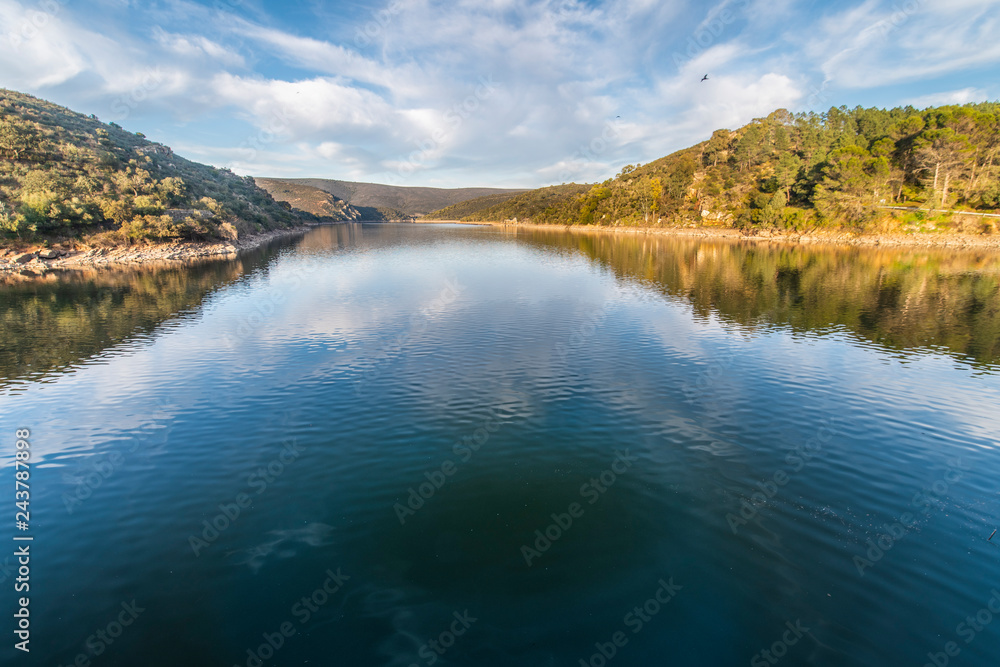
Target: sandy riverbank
{"points": [[27, 261], [927, 240]]}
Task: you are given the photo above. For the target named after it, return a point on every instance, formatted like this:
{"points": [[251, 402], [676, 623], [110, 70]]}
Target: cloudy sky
{"points": [[517, 93]]}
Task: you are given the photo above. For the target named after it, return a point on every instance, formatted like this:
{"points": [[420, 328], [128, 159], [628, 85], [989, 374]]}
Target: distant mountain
{"points": [[391, 202], [65, 176], [522, 205], [323, 205]]}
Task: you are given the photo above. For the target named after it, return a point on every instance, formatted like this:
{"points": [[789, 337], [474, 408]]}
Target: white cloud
{"points": [[876, 44], [37, 48], [197, 47], [316, 104], [392, 93], [963, 96]]}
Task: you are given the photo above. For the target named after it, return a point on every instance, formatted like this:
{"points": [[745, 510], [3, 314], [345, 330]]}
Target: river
{"points": [[404, 445]]}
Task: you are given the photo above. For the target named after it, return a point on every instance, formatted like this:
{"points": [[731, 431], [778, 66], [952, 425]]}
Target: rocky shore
{"points": [[29, 262], [61, 257]]}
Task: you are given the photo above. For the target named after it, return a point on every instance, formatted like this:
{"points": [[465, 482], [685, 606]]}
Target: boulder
{"points": [[50, 254], [24, 257]]}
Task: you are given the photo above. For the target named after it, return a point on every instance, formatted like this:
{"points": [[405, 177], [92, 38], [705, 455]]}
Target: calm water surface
{"points": [[414, 445]]}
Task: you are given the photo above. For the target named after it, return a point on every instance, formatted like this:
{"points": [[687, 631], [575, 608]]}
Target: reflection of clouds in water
{"points": [[94, 449], [413, 624], [283, 545], [400, 648]]}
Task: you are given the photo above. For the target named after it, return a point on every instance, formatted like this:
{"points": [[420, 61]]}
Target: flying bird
{"points": [[704, 78]]}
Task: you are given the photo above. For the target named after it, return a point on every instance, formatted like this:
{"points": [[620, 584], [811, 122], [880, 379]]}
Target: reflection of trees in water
{"points": [[52, 323], [899, 298], [56, 321], [896, 297]]}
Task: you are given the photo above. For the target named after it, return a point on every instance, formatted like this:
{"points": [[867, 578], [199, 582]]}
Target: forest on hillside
{"points": [[844, 168], [64, 175]]}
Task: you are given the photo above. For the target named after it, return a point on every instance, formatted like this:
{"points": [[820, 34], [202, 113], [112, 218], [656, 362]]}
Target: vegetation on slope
{"points": [[845, 168], [509, 205], [323, 205], [64, 175], [391, 202], [471, 207]]}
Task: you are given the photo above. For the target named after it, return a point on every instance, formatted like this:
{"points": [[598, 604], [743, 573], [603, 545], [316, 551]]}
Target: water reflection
{"points": [[899, 298], [53, 322], [562, 350]]}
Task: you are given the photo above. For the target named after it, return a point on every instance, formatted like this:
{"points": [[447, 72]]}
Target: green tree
{"points": [[786, 172], [651, 194], [750, 148], [943, 153], [717, 146], [17, 138], [847, 191]]}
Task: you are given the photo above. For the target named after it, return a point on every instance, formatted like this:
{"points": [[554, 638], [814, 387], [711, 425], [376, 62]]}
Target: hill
{"points": [[471, 207], [528, 205], [314, 201], [858, 169], [66, 176], [390, 202]]}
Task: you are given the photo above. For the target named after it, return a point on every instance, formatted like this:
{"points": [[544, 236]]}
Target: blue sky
{"points": [[516, 93]]}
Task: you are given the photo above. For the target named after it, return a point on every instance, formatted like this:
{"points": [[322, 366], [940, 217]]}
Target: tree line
{"points": [[842, 168]]}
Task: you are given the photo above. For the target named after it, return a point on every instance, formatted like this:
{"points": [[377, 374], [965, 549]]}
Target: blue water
{"points": [[395, 410]]}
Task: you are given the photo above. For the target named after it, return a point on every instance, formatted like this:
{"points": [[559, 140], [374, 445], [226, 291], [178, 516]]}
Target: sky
{"points": [[503, 93]]}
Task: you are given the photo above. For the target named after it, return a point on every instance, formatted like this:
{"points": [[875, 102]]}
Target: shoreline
{"points": [[919, 240], [177, 253]]}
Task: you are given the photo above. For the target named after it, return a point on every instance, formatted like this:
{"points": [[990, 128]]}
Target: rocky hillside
{"points": [[390, 202], [323, 205], [66, 176]]}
